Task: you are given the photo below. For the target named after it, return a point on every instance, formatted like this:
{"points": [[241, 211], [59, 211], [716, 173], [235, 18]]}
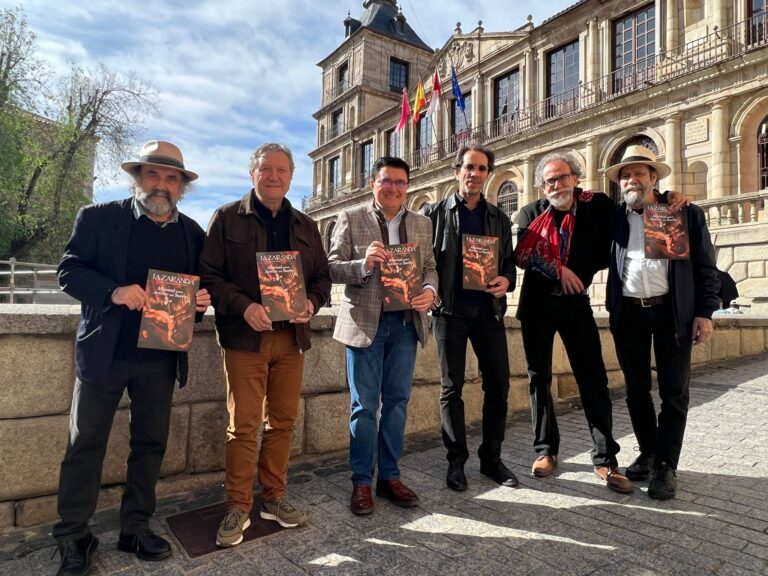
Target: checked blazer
{"points": [[361, 306]]}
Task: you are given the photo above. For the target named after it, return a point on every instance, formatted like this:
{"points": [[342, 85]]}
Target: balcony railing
{"points": [[736, 209], [721, 45], [337, 90]]}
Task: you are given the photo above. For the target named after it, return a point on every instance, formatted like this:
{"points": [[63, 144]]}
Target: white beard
{"points": [[561, 199]]}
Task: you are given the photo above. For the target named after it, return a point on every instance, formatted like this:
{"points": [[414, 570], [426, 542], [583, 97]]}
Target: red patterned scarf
{"points": [[544, 246]]}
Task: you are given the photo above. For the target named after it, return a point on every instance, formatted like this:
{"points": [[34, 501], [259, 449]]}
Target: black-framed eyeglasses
{"points": [[388, 183], [562, 179], [482, 168]]}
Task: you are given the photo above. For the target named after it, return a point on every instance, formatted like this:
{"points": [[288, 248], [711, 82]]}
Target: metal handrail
{"points": [[36, 269]]}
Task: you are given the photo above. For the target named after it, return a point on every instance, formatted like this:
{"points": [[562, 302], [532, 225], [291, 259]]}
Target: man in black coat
{"points": [[667, 302], [474, 316], [563, 241], [105, 265]]}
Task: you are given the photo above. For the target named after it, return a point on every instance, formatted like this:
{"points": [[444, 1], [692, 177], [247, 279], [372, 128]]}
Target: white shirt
{"points": [[642, 277]]}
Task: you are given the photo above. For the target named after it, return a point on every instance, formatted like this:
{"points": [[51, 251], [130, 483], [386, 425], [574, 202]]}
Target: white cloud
{"points": [[231, 74]]}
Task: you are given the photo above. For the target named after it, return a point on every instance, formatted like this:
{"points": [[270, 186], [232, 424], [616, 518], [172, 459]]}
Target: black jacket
{"points": [[94, 264], [446, 244], [693, 283], [228, 269], [590, 248]]}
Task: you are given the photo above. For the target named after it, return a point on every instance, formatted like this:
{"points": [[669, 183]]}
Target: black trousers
{"points": [[150, 388], [637, 328], [478, 325], [572, 318]]}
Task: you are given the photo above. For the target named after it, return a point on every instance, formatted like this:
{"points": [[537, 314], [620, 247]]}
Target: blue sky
{"points": [[232, 74]]}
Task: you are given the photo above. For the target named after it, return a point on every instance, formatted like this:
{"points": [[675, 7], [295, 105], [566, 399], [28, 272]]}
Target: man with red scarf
{"points": [[564, 239]]}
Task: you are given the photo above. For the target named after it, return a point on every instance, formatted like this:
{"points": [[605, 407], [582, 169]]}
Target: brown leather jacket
{"points": [[228, 269]]}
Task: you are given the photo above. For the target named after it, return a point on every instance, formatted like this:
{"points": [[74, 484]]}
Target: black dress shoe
{"points": [[145, 544], [663, 484], [640, 468], [455, 479], [77, 555], [499, 473]]}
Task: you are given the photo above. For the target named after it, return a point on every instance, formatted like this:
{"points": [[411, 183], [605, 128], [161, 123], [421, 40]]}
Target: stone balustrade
{"points": [[37, 372], [736, 209]]}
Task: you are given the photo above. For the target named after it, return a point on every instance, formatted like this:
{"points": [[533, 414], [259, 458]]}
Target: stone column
{"points": [[718, 10], [672, 39], [593, 64], [721, 165], [529, 191], [478, 98], [590, 178], [674, 151], [530, 79]]}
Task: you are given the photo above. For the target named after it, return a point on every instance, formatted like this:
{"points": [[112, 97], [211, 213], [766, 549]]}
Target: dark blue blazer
{"points": [[94, 264]]}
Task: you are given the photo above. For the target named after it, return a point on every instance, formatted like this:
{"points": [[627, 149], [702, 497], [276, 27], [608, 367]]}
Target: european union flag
{"points": [[456, 90]]}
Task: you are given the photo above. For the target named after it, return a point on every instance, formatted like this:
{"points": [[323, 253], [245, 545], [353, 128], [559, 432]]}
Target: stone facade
{"points": [[37, 373], [696, 95]]}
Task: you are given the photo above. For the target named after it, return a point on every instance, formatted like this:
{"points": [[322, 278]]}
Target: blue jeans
{"points": [[380, 375]]}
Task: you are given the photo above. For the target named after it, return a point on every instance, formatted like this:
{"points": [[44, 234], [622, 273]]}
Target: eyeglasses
{"points": [[475, 168], [388, 183], [562, 179]]}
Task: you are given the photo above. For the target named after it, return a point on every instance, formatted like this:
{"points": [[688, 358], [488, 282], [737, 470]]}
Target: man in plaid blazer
{"points": [[381, 345]]}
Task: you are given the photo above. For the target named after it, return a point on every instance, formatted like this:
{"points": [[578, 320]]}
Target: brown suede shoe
{"points": [[362, 499], [397, 492], [614, 479], [544, 466]]}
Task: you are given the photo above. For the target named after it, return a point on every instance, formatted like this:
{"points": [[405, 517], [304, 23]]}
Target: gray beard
{"points": [[562, 202], [154, 203], [634, 196]]}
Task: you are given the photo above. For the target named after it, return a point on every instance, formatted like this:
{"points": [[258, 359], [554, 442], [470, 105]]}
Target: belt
{"points": [[645, 302], [282, 325]]}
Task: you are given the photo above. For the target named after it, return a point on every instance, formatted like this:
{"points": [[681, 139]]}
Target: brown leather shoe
{"points": [[614, 479], [397, 492], [544, 465], [362, 499]]}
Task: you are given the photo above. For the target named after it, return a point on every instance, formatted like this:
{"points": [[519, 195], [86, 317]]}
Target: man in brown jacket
{"points": [[263, 360]]}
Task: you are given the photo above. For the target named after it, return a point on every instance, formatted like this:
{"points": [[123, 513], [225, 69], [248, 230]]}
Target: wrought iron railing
{"points": [[337, 90]]}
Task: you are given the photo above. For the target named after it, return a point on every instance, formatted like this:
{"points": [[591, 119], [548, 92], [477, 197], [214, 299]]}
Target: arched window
{"points": [[762, 151], [641, 140], [507, 199]]}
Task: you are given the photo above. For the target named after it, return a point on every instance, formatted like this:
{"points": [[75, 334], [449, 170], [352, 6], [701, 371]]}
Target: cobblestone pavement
{"points": [[566, 524]]}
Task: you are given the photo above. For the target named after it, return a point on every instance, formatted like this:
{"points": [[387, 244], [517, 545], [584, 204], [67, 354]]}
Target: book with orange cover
{"points": [[401, 275], [666, 233], [480, 261], [281, 282], [168, 322]]}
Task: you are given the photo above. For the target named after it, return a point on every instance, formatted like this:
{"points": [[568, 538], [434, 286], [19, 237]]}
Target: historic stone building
{"points": [[687, 78]]}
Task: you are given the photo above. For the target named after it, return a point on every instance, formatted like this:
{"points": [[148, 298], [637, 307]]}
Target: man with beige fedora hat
{"points": [[659, 302], [105, 266]]}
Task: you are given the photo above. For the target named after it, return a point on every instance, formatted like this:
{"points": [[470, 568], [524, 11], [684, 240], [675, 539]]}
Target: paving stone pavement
{"points": [[566, 524]]}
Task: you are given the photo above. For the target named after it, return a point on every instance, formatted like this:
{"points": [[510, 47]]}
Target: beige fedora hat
{"points": [[162, 154], [638, 155]]}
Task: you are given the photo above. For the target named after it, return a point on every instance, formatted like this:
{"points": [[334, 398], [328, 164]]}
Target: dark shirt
{"points": [[150, 246], [277, 226], [470, 222]]}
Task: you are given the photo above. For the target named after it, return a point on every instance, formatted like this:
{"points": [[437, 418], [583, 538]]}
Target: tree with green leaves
{"points": [[92, 119]]}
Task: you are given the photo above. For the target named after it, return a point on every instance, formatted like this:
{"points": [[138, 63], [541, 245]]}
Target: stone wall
{"points": [[37, 376]]}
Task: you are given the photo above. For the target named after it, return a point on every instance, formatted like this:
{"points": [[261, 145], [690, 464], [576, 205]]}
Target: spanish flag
{"points": [[420, 103]]}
